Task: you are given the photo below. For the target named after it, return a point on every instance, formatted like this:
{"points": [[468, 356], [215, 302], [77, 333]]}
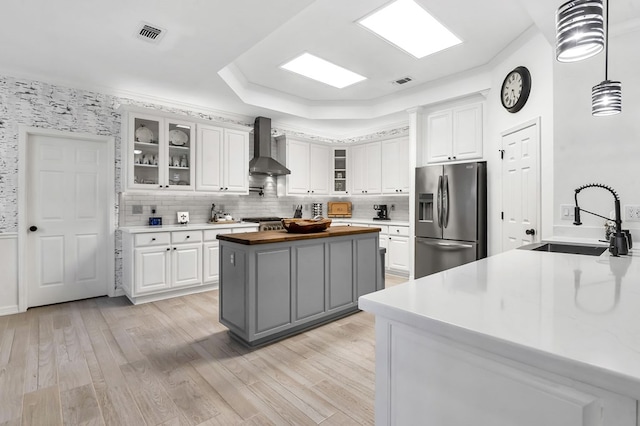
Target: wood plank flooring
{"points": [[106, 362]]}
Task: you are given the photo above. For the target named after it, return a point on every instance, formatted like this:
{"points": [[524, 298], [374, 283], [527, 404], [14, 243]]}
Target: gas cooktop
{"points": [[261, 219]]}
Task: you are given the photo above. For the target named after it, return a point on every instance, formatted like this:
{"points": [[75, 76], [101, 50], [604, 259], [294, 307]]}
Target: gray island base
{"points": [[274, 284]]}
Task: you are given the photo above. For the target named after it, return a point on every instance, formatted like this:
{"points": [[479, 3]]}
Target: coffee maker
{"points": [[382, 213]]}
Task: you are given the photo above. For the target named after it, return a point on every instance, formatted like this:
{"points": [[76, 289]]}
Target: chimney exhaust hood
{"points": [[262, 163]]}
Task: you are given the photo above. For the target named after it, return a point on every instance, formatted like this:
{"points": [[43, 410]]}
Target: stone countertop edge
{"points": [[189, 227], [270, 237]]}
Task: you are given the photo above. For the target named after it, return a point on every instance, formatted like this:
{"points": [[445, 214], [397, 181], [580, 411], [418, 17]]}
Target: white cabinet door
{"points": [[179, 148], [366, 166], [398, 253], [235, 166], [298, 163], [209, 158], [395, 163], [358, 169], [186, 265], [152, 269], [467, 132], [454, 134], [319, 166], [211, 262], [374, 168], [439, 136]]}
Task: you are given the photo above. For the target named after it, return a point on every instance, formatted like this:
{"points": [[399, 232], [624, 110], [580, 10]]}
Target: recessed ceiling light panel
{"points": [[326, 72], [406, 25]]}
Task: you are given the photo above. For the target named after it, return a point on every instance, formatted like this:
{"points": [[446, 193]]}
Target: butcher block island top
{"points": [[269, 237]]}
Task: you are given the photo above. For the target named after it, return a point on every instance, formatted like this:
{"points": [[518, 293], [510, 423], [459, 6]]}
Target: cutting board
{"points": [[339, 209]]}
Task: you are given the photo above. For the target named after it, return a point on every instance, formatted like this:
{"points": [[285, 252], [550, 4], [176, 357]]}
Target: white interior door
{"points": [[67, 195], [520, 187]]}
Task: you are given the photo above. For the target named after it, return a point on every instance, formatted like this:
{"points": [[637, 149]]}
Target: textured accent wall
{"points": [[40, 104]]}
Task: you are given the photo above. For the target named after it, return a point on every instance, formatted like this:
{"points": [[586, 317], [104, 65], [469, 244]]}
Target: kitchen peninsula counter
{"points": [[274, 283], [523, 337]]}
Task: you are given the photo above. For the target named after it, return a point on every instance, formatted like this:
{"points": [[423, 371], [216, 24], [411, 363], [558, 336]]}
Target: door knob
{"points": [[33, 228], [530, 231]]}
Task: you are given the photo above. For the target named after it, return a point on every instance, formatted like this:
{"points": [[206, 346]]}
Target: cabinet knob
{"points": [[160, 186], [174, 248], [166, 186], [153, 239], [188, 236], [168, 249], [454, 157], [33, 228], [530, 231], [448, 158]]}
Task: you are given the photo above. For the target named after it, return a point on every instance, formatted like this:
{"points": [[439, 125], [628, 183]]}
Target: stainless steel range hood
{"points": [[262, 163]]}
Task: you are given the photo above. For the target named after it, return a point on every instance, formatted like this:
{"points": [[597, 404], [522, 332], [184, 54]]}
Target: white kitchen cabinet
{"points": [[395, 164], [153, 271], [161, 264], [339, 178], [309, 163], [492, 389], [222, 160], [158, 153], [366, 168], [211, 262], [398, 249], [454, 134]]}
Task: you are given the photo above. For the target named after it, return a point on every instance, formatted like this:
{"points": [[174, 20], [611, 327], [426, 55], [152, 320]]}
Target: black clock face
{"points": [[515, 89]]}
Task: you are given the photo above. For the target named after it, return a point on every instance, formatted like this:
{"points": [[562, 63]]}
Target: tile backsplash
{"points": [[199, 205]]}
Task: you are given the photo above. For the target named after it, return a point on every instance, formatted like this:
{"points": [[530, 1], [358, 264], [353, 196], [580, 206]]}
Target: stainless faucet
{"points": [[619, 243]]}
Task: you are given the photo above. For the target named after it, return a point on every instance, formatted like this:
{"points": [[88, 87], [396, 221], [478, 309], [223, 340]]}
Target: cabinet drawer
{"points": [[186, 237], [399, 230], [210, 234], [384, 229], [152, 239]]}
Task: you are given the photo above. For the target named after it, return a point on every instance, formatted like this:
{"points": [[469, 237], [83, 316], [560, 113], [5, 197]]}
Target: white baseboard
{"points": [[9, 310]]}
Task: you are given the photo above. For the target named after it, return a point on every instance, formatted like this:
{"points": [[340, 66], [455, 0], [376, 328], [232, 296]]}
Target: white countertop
{"points": [[189, 227], [369, 221], [576, 315]]}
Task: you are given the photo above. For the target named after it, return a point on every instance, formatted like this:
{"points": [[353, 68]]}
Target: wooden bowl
{"points": [[305, 226]]}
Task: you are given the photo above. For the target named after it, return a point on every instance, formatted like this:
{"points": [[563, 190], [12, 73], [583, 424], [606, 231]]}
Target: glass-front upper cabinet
{"points": [[160, 154], [340, 171]]}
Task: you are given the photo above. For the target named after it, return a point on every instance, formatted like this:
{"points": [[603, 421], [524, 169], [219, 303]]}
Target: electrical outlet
{"points": [[632, 213], [567, 212], [136, 209]]}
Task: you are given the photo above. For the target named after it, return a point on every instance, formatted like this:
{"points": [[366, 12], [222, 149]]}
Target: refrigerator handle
{"points": [[445, 201], [439, 201]]}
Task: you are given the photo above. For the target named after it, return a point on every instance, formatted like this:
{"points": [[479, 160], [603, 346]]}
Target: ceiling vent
{"points": [[150, 33], [402, 80]]}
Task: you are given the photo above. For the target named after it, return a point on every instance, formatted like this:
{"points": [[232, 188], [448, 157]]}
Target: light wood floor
{"points": [[105, 361]]}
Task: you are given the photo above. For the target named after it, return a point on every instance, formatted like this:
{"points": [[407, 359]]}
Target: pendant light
{"points": [[606, 97], [579, 30]]}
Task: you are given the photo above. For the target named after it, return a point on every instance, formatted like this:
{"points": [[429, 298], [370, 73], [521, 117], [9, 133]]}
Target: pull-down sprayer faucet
{"points": [[619, 242]]}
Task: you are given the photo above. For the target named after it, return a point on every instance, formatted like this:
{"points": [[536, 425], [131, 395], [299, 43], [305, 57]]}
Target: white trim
{"points": [[533, 122], [24, 133]]}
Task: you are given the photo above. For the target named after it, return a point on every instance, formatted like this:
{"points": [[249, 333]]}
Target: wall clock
{"points": [[515, 89]]}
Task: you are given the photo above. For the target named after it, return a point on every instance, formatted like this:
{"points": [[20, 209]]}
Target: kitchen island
{"points": [[521, 338], [275, 283]]}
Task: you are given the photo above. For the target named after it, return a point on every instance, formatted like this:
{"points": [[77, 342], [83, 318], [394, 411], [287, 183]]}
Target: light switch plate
{"points": [[567, 212], [632, 213], [136, 209]]}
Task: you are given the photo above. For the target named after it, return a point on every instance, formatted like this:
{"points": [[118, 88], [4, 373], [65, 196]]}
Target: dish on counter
{"points": [[305, 226], [178, 137]]}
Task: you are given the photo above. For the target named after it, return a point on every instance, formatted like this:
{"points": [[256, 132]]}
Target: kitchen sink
{"points": [[567, 248]]}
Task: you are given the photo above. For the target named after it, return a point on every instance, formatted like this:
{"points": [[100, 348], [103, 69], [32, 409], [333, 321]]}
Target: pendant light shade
{"points": [[606, 98], [579, 30]]}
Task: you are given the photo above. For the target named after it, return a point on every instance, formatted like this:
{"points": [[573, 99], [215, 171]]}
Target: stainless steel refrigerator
{"points": [[451, 216]]}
